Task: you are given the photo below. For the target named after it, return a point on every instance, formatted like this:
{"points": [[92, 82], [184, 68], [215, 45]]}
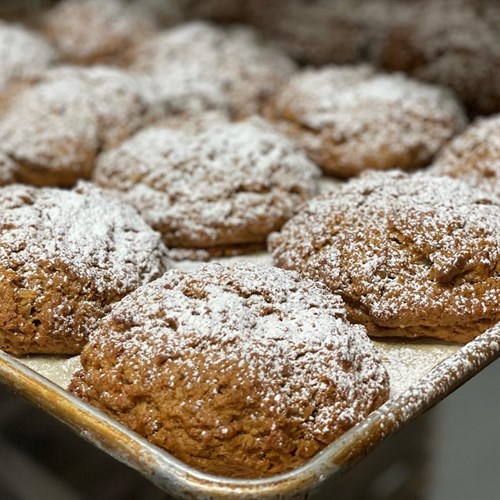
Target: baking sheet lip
{"points": [[173, 475]]}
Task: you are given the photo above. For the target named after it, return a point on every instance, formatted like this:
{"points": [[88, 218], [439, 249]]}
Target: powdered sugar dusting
{"points": [[92, 30], [199, 66], [68, 115], [288, 335], [363, 115], [52, 125], [230, 183], [474, 156], [23, 54], [101, 242], [406, 250], [59, 370], [408, 362]]}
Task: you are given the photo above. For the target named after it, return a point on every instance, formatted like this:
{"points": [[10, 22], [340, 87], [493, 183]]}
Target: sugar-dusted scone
{"points": [[243, 371], [96, 31], [221, 188], [53, 129], [23, 54], [199, 66], [455, 43], [65, 256], [351, 118], [474, 155], [412, 256]]}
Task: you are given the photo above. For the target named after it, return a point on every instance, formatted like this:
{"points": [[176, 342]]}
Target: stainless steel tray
{"points": [[421, 373]]}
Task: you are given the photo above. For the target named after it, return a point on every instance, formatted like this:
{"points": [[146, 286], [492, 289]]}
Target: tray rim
{"points": [[179, 479]]}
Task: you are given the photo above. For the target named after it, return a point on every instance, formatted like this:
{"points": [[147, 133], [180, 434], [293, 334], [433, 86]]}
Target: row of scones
{"points": [[124, 152]]}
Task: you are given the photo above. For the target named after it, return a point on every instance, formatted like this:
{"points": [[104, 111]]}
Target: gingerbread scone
{"points": [[327, 31], [243, 371], [474, 155], [351, 118], [454, 43], [96, 31], [65, 256], [221, 190], [412, 256], [54, 128], [198, 66], [23, 54]]}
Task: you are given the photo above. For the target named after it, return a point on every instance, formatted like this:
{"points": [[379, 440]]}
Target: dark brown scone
{"points": [[96, 31], [412, 256], [199, 66], [54, 128], [65, 256], [473, 156], [243, 371], [352, 118], [23, 54], [221, 189], [327, 31], [454, 43]]}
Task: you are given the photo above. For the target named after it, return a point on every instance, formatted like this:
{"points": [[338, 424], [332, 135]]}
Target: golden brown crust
{"points": [[241, 371], [65, 256], [410, 255], [351, 118]]}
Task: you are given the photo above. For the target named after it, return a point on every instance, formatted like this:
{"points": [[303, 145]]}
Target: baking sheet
{"points": [[421, 373]]}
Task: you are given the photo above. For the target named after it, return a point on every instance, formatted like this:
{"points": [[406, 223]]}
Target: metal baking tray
{"points": [[422, 373]]}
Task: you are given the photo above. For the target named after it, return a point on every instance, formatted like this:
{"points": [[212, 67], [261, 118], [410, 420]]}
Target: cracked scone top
{"points": [[352, 118], [65, 256], [474, 155], [23, 54], [410, 255], [54, 128], [198, 66], [243, 371], [222, 188]]}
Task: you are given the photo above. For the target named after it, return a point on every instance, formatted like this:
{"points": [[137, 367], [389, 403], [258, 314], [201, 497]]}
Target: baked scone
{"points": [[54, 128], [221, 190], [23, 54], [327, 31], [412, 256], [351, 118], [65, 256], [199, 66], [243, 371], [474, 155], [454, 43], [96, 31]]}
